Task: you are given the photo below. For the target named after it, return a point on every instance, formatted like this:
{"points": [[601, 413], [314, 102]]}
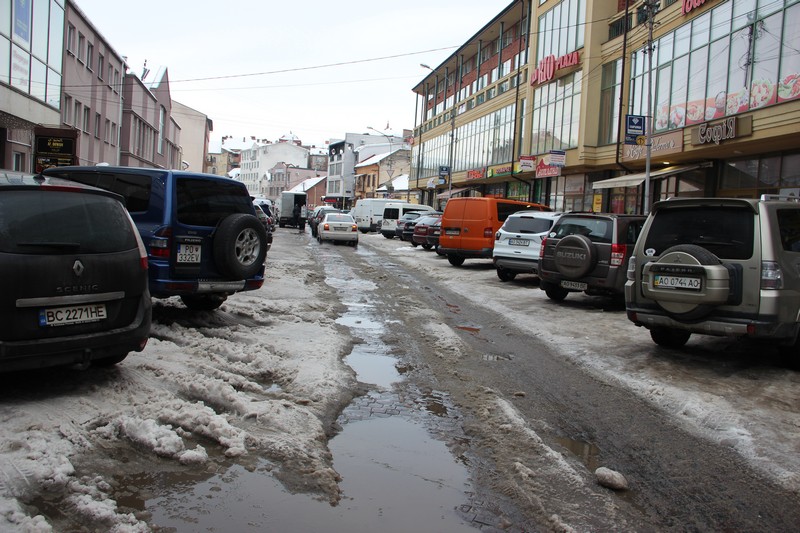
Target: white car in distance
{"points": [[338, 227]]}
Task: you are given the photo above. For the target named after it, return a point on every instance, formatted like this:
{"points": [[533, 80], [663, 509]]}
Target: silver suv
{"points": [[517, 243], [718, 266]]}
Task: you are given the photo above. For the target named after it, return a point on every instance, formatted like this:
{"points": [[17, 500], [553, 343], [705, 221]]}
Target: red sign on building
{"points": [[549, 65]]}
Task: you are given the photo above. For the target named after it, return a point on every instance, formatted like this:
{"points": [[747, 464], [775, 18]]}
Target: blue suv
{"points": [[202, 236]]}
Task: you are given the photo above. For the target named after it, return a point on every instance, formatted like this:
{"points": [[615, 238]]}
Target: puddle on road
{"points": [[587, 452], [395, 478], [372, 367]]}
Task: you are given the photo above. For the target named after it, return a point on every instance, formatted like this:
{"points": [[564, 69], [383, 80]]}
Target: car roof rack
{"points": [[773, 197]]}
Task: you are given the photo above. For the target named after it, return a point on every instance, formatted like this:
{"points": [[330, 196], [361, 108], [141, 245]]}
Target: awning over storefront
{"points": [[446, 194], [632, 180]]}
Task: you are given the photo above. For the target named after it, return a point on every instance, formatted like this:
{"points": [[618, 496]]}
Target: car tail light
{"points": [[771, 275], [488, 232], [618, 254], [139, 243], [353, 228], [631, 272], [541, 248], [497, 236], [161, 244], [326, 227]]}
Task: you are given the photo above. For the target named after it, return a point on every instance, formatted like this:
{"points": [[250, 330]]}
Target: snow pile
{"points": [[263, 375]]}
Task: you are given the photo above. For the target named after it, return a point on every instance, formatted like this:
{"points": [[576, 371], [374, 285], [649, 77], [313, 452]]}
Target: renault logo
{"points": [[78, 267]]}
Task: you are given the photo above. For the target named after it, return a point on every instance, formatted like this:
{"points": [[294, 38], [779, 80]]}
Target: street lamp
{"points": [[390, 171]]}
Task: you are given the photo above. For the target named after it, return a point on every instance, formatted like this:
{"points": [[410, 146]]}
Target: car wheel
{"points": [[554, 292], [414, 244], [203, 302], [669, 338], [506, 275], [455, 260], [388, 236], [575, 256], [109, 361], [427, 246], [319, 238], [240, 246], [364, 231], [687, 254]]}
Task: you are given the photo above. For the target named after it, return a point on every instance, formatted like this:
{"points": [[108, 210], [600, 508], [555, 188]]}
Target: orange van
{"points": [[469, 225]]}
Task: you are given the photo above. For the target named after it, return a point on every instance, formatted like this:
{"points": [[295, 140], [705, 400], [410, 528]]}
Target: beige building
{"points": [[549, 102], [196, 130]]}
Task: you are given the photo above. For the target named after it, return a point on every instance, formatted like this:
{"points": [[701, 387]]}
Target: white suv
{"points": [[517, 243]]}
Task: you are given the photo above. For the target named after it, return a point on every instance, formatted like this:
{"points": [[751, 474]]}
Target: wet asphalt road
{"points": [[679, 482]]}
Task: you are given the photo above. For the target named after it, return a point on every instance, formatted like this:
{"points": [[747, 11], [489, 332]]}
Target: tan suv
{"points": [[718, 266]]}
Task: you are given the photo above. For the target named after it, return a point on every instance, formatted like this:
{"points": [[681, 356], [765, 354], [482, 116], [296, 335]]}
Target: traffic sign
{"points": [[634, 129]]}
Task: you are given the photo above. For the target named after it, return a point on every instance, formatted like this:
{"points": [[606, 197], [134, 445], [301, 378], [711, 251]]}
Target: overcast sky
{"points": [[316, 68]]}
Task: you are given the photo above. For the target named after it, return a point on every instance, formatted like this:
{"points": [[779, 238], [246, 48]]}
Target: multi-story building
{"points": [[196, 130], [31, 62], [345, 154], [92, 90], [66, 97], [150, 137], [546, 103], [260, 157], [380, 169]]}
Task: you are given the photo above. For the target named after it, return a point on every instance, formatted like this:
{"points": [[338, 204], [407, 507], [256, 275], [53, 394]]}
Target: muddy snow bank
{"points": [[261, 375]]}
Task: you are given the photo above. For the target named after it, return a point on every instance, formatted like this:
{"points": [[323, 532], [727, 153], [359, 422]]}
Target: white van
{"points": [[394, 210], [368, 213]]}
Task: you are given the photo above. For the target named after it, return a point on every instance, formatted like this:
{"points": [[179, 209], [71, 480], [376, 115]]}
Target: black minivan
{"points": [[73, 275]]}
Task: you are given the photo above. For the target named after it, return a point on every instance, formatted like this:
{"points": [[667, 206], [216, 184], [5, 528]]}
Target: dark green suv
{"points": [[202, 236]]}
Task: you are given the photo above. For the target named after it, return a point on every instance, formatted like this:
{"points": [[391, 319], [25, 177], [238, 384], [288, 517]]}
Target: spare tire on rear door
{"points": [[240, 245], [575, 256], [689, 305]]}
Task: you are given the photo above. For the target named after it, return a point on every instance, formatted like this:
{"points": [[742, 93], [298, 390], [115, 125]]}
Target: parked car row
{"points": [[83, 249], [712, 266]]}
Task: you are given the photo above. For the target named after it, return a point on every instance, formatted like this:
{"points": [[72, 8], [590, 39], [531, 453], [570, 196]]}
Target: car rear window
{"points": [[525, 224], [134, 188], [391, 212], [203, 202], [789, 227], [54, 222], [598, 230], [725, 231], [333, 217]]}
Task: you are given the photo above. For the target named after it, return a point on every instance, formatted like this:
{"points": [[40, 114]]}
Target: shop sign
{"points": [[544, 170], [549, 65], [725, 130], [54, 147], [690, 5], [476, 174], [558, 158], [527, 162], [668, 143], [502, 170]]}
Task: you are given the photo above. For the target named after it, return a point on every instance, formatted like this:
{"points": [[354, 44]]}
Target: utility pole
{"points": [[650, 6]]}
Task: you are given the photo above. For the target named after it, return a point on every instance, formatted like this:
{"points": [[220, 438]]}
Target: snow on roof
{"points": [[307, 184], [376, 158], [400, 183]]}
